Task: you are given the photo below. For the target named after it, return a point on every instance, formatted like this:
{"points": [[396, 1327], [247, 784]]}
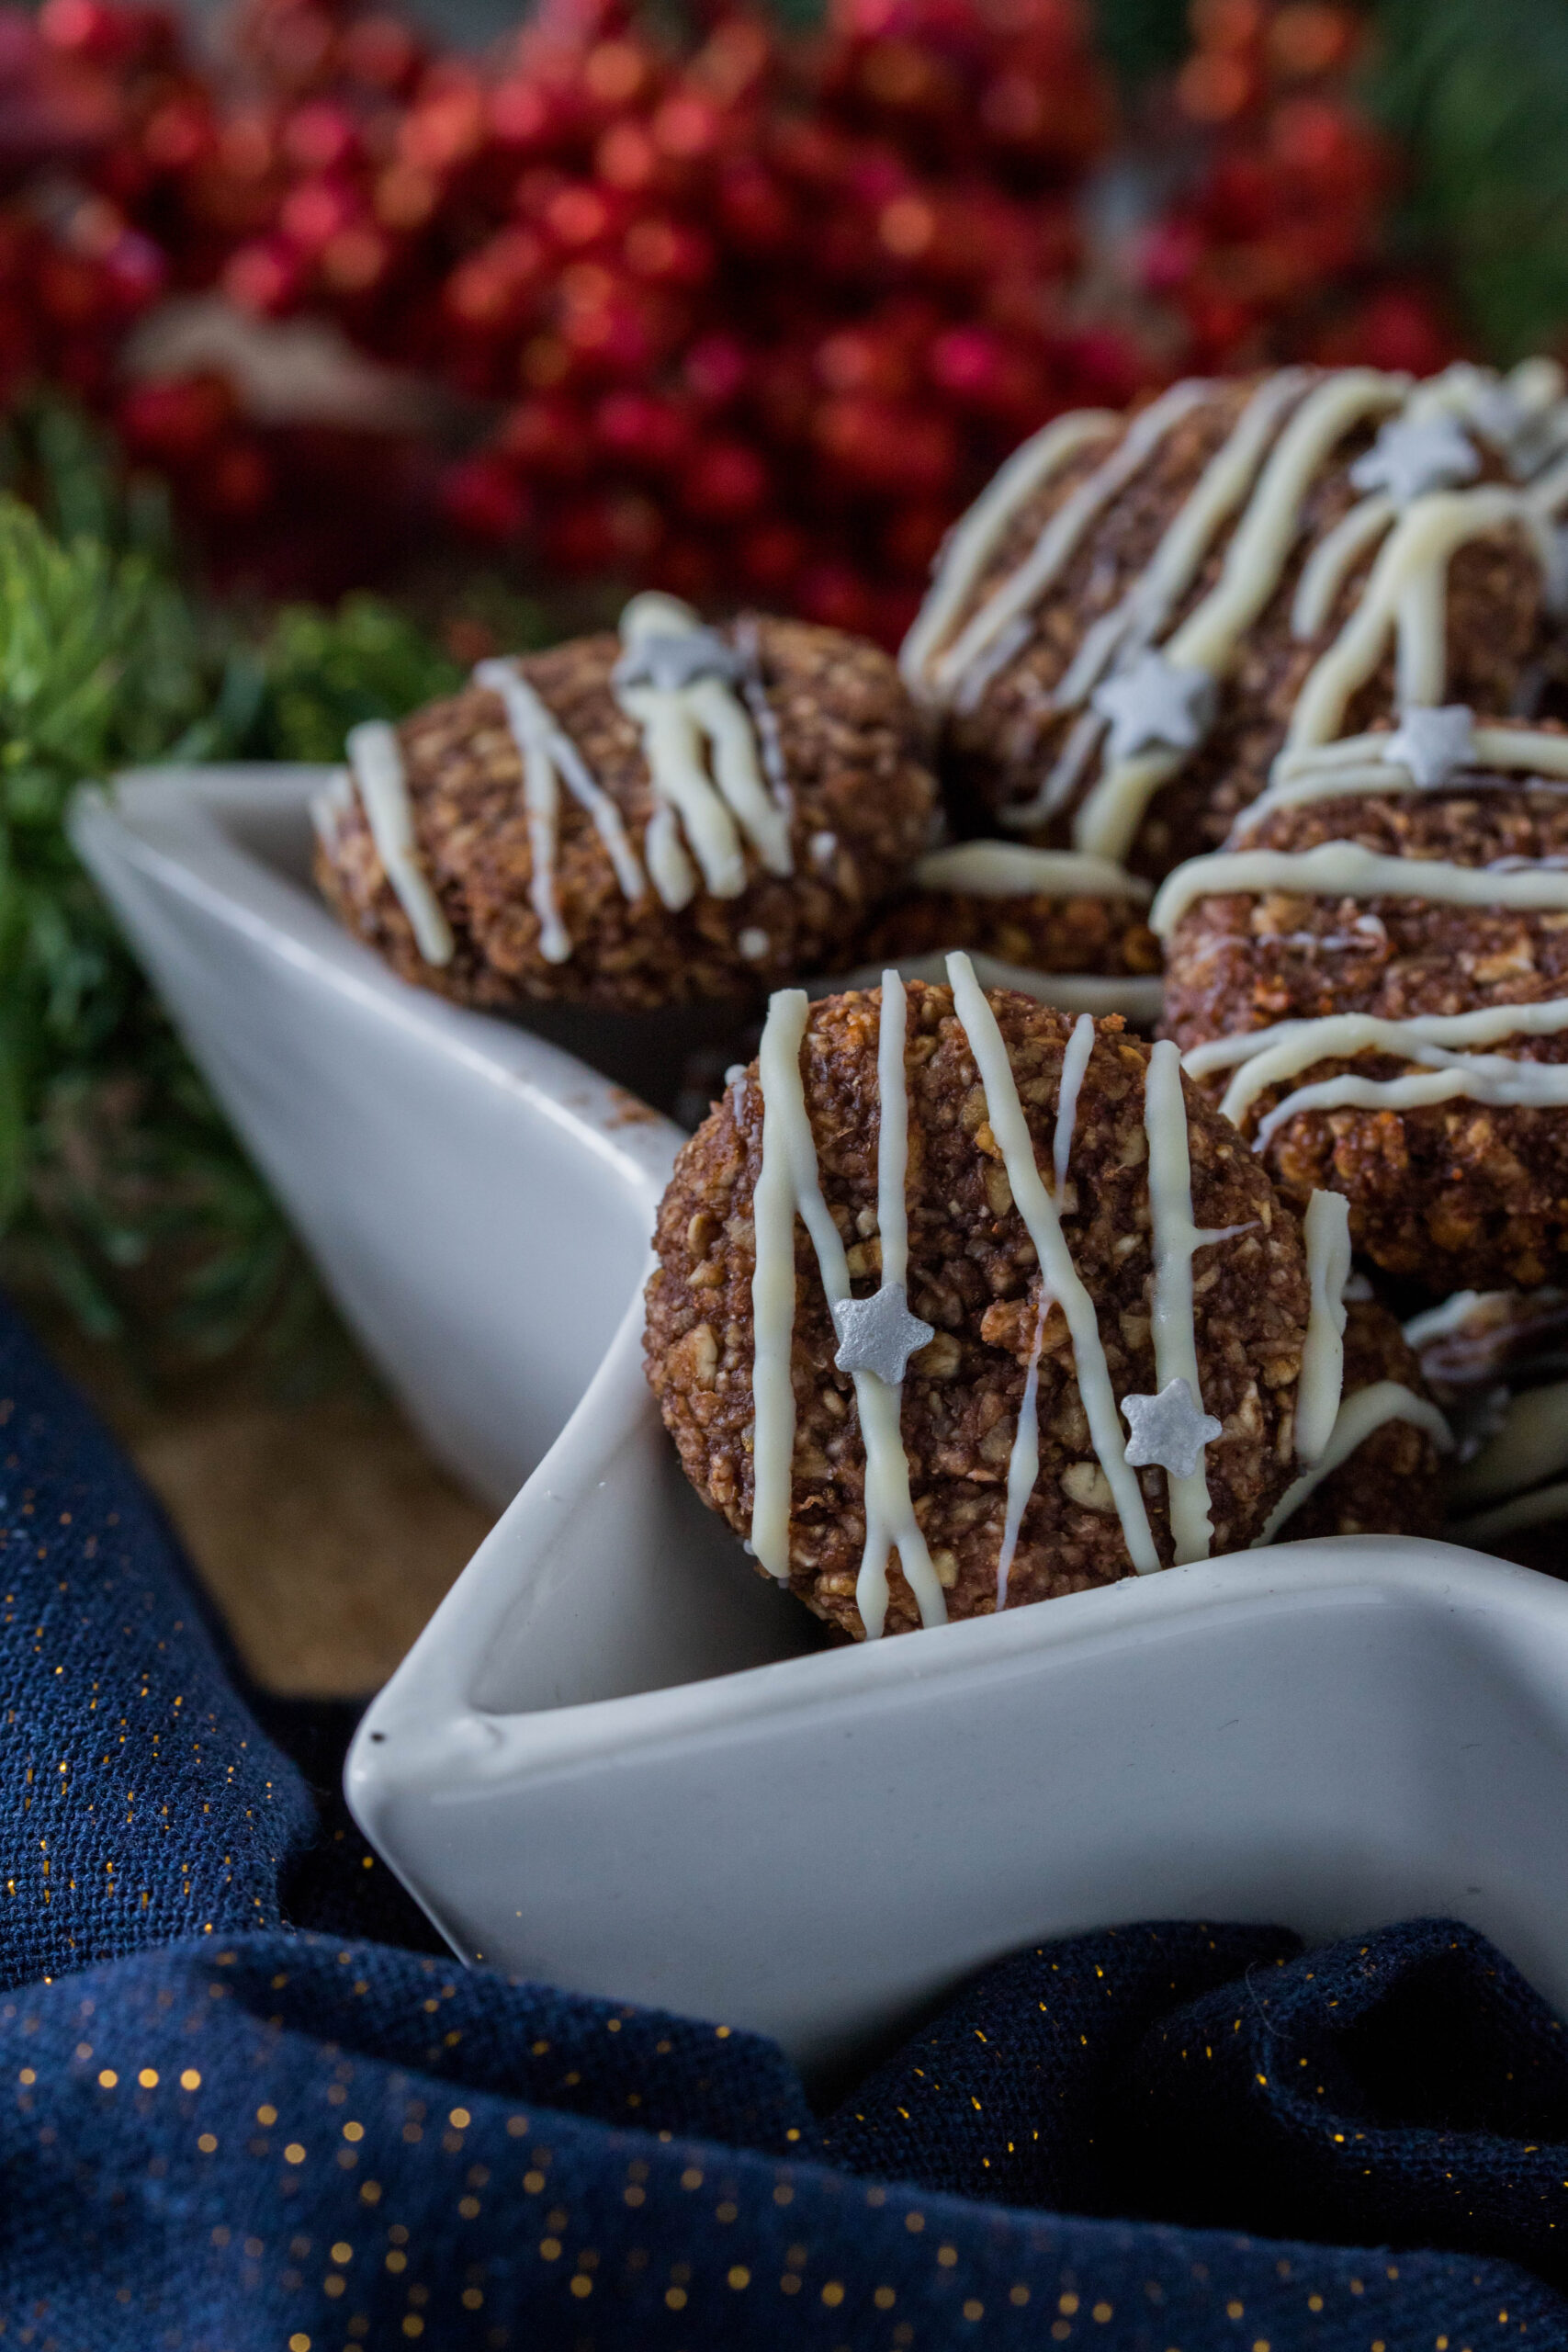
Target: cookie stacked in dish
{"points": [[1257, 681]]}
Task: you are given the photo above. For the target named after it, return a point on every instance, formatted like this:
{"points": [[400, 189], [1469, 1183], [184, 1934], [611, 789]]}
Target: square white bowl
{"points": [[615, 1759]]}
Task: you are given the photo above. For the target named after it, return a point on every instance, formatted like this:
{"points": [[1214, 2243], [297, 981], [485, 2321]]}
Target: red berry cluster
{"points": [[1274, 251], [751, 316]]}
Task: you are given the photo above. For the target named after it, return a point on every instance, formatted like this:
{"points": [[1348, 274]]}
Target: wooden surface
{"points": [[323, 1530]]}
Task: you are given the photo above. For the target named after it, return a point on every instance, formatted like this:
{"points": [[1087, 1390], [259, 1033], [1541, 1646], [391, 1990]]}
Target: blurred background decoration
{"points": [[339, 347]]}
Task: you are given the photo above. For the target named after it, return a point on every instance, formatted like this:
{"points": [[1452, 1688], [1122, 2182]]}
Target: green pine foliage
{"points": [[1478, 92], [121, 1186]]}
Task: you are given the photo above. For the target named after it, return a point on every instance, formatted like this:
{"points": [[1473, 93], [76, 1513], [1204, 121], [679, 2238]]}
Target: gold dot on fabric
{"points": [[1067, 2305], [784, 2194], [396, 2262], [634, 2195], [267, 2115], [1060, 2330], [581, 2285], [675, 2298], [691, 2177], [915, 2221], [108, 2078], [726, 2211], [294, 2154], [833, 2294], [1233, 2310], [469, 2208], [533, 2182], [27, 2076], [1314, 2302], [1018, 2295], [972, 2309], [947, 2256], [885, 2298], [414, 2324], [549, 2249], [208, 2142], [516, 2127], [147, 2078], [342, 2251], [460, 2118], [298, 2344], [739, 2277], [354, 2131], [332, 2285], [471, 2300], [789, 2284], [1101, 2312]]}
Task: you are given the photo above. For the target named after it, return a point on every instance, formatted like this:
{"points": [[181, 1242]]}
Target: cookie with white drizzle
{"points": [[1150, 607], [1046, 911], [1372, 976], [1028, 1140], [671, 814], [1381, 1473]]}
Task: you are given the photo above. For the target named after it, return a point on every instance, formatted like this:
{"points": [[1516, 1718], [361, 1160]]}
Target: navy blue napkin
{"points": [[240, 2113]]}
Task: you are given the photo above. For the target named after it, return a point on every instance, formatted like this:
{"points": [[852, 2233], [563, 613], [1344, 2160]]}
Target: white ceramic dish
{"points": [[610, 1760], [477, 1199]]}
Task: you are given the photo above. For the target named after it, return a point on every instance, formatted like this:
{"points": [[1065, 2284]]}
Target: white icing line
{"points": [[329, 806], [1136, 999], [1428, 533], [1538, 1509], [893, 1131], [1479, 1078], [1108, 820], [533, 723], [1174, 1239], [1058, 1271], [1023, 1460], [1146, 607], [1063, 778], [974, 539], [541, 805], [1063, 533], [1331, 562], [1007, 870], [1436, 1041], [375, 763], [772, 1288], [672, 744], [1532, 1444], [1326, 1231], [764, 718], [1437, 1322], [1367, 1410], [1344, 869], [792, 1185], [1074, 1061]]}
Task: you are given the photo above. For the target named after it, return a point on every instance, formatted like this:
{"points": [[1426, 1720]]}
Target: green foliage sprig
{"points": [[120, 1184]]}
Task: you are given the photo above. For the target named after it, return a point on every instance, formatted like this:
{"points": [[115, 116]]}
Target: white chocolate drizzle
{"points": [[788, 1182], [992, 869], [1367, 1410], [1404, 593], [376, 764], [1023, 1460], [974, 539], [1441, 1044], [1063, 533], [1361, 764], [548, 756], [1326, 1231], [683, 728], [1346, 870], [1330, 564], [1175, 1240], [1057, 1272], [1108, 820]]}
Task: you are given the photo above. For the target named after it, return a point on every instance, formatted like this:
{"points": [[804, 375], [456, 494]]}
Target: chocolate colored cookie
{"points": [[677, 814]]}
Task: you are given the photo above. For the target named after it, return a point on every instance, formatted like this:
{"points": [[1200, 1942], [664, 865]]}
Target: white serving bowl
{"points": [[478, 1200], [616, 1758]]}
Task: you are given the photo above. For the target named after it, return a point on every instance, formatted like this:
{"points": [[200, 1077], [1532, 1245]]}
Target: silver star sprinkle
{"points": [[1156, 707], [1413, 454], [669, 661], [1171, 1429], [1434, 744], [1524, 435], [879, 1334]]}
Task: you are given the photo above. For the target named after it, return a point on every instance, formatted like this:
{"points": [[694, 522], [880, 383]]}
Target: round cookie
{"points": [[987, 1441], [1373, 978], [674, 815], [1141, 611]]}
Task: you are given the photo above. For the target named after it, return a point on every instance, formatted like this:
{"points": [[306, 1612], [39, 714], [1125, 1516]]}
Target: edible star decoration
{"points": [[1522, 434], [879, 1334], [670, 662], [1434, 744], [1156, 707], [1413, 454], [1171, 1429]]}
